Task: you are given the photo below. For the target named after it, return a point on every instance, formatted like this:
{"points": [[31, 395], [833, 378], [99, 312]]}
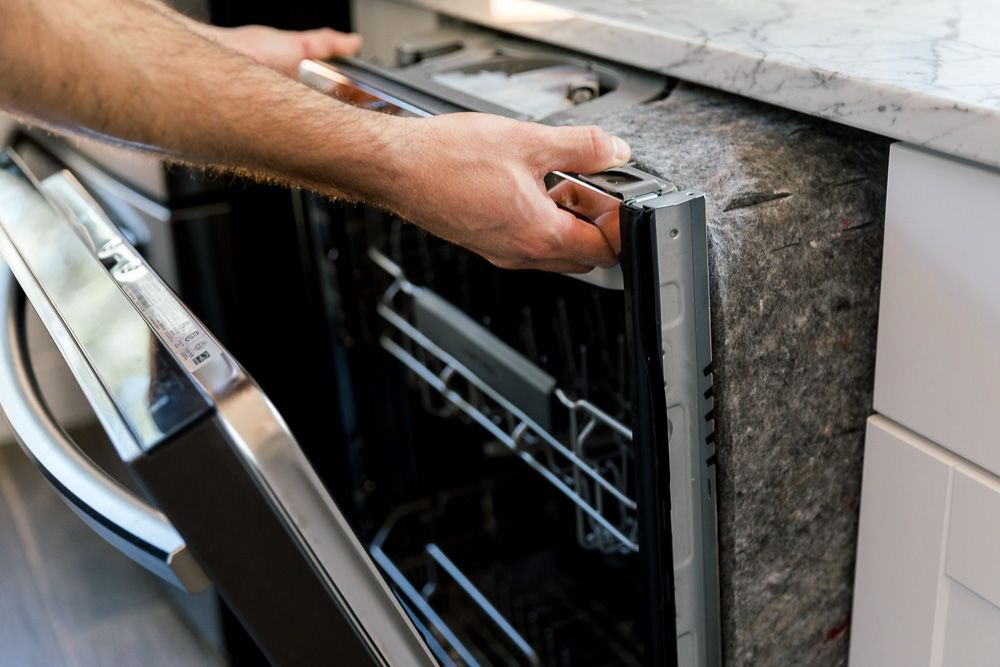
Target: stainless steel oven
{"points": [[528, 459]]}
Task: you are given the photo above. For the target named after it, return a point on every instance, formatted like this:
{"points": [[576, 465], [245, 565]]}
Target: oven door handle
{"points": [[125, 520]]}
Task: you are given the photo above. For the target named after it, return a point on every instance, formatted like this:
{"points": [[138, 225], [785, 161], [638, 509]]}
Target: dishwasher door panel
{"points": [[228, 496]]}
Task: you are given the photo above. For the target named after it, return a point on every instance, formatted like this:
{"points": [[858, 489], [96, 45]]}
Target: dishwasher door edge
{"points": [[665, 264]]}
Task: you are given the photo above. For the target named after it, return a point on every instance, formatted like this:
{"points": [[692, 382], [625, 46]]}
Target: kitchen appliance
{"points": [[178, 219], [578, 322], [529, 457]]}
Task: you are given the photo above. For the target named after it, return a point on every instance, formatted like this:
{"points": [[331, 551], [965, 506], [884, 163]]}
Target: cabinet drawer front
{"points": [[938, 364], [973, 547], [927, 585], [904, 498]]}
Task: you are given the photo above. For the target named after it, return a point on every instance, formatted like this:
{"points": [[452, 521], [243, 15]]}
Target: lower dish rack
{"points": [[438, 568], [512, 608], [578, 448]]}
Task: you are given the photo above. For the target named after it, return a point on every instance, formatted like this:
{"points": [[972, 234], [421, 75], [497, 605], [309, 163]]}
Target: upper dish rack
{"points": [[578, 448]]}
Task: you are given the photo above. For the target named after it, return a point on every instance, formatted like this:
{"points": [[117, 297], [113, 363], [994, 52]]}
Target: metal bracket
{"points": [[628, 183]]}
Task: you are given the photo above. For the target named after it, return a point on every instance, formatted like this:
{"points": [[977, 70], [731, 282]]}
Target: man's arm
{"points": [[281, 50], [135, 72]]}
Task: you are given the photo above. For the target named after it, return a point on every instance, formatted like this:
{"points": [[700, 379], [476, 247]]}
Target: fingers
{"points": [[600, 209], [326, 43], [586, 149], [551, 265], [560, 242], [582, 200], [580, 242], [610, 227], [563, 267]]}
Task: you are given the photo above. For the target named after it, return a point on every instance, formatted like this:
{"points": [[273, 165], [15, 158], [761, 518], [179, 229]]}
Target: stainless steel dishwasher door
{"points": [[230, 499]]}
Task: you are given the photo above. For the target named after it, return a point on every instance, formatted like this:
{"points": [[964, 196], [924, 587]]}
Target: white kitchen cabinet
{"points": [[927, 587], [938, 363]]}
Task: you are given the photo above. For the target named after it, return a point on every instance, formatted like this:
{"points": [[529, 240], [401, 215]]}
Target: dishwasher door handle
{"points": [[32, 203], [126, 521]]}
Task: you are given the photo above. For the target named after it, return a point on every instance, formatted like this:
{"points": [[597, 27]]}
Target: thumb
{"points": [[327, 43], [587, 149]]}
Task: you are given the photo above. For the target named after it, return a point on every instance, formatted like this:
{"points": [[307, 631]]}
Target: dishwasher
{"points": [[571, 386], [529, 457]]}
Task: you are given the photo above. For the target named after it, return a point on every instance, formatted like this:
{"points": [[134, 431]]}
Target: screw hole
{"points": [[674, 233]]}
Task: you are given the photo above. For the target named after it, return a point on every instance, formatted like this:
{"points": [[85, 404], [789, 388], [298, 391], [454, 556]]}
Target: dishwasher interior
{"points": [[487, 413], [506, 523]]}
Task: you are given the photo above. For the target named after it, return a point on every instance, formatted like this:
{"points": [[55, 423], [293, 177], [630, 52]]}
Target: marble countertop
{"points": [[923, 71]]}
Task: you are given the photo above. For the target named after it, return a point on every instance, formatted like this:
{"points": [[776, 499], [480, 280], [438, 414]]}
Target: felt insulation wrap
{"points": [[795, 215]]}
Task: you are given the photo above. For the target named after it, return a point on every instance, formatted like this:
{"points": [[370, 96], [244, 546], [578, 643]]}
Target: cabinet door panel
{"points": [[927, 585], [904, 499], [937, 370]]}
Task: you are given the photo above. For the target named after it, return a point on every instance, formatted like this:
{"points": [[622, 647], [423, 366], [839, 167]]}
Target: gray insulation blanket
{"points": [[795, 217]]}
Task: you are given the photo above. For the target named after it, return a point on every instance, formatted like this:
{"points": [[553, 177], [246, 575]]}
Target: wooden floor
{"points": [[69, 599]]}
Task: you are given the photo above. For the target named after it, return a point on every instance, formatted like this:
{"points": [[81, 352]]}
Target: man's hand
{"points": [[476, 180], [593, 206], [283, 50]]}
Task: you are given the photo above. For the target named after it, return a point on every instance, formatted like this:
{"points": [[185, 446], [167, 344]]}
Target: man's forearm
{"points": [[136, 73]]}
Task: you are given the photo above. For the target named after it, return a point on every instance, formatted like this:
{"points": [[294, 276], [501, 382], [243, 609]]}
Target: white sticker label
{"points": [[159, 307]]}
